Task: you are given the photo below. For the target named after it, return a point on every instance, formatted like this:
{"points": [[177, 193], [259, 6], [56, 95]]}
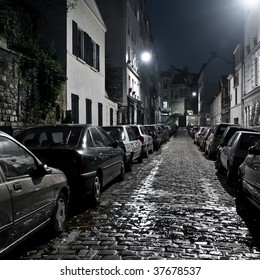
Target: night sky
{"points": [[187, 31]]}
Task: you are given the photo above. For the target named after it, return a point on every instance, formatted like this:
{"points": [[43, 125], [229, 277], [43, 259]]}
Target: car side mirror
{"points": [[40, 171], [253, 150], [115, 144]]}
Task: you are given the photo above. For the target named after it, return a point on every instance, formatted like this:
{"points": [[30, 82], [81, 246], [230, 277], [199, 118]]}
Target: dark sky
{"points": [[186, 31]]}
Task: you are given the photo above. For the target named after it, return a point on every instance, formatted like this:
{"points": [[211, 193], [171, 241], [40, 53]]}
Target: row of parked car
{"points": [[236, 151], [44, 167]]}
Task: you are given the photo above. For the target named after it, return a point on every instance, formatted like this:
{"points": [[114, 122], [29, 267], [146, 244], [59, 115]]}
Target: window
{"points": [[97, 138], [14, 160], [236, 96], [88, 111], [111, 111], [108, 140], [100, 114], [75, 108], [84, 47]]}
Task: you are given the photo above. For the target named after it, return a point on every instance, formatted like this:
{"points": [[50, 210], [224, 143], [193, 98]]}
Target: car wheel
{"points": [[145, 153], [240, 195], [60, 214], [122, 172], [219, 166], [96, 193], [230, 175], [140, 158]]}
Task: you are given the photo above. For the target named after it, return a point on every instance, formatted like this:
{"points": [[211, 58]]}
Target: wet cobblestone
{"points": [[172, 206]]}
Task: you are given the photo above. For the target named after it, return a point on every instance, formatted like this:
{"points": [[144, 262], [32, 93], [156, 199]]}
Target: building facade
{"points": [[129, 80], [251, 89], [178, 93], [209, 84]]}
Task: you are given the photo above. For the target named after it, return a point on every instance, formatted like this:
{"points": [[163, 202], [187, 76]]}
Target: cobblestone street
{"points": [[172, 206]]}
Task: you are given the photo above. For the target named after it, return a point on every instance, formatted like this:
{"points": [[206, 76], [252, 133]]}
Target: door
{"points": [[6, 214], [31, 197], [103, 155], [116, 155]]}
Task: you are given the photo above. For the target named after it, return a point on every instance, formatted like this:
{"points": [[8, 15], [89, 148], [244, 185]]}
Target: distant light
{"points": [[146, 57], [194, 93], [250, 3]]}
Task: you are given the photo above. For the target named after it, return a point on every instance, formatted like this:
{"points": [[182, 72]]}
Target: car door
{"points": [[32, 198], [6, 213], [252, 172], [228, 150], [102, 154], [116, 153], [136, 147]]}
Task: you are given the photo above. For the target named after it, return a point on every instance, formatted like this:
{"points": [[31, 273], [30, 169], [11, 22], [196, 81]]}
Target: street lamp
{"points": [[146, 57], [194, 93]]}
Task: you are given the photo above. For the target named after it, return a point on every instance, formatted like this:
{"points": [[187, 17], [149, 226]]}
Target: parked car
{"points": [[233, 154], [164, 132], [198, 134], [214, 138], [88, 156], [194, 129], [204, 137], [156, 135], [249, 174], [32, 195], [146, 139], [228, 133], [129, 141]]}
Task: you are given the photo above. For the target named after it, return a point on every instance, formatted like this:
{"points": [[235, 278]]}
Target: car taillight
{"points": [[141, 139]]}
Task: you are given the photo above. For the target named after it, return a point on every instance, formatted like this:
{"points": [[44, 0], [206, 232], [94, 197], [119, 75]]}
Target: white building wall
{"points": [[215, 108], [251, 96], [83, 80]]}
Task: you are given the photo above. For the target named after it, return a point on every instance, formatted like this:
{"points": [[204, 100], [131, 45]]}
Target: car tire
{"points": [[230, 175], [122, 171], [145, 153], [129, 165], [96, 191], [60, 215], [219, 166], [140, 158]]}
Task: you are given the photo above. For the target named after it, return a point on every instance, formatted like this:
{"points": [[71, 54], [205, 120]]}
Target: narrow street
{"points": [[172, 206]]}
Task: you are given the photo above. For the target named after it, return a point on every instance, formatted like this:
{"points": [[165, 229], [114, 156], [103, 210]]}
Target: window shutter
{"points": [[97, 57], [74, 38]]}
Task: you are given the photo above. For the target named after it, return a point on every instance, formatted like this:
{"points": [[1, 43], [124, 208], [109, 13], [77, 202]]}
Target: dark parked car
{"points": [[228, 133], [234, 153], [249, 173], [214, 139], [204, 137], [156, 134], [88, 156], [32, 195], [128, 141]]}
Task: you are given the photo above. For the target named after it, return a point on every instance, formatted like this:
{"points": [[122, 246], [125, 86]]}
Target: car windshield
{"points": [[50, 136], [117, 133], [248, 140]]}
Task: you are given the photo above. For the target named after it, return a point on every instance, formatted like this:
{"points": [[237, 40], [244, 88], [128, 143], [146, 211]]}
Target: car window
{"points": [[248, 140], [14, 160], [97, 138], [116, 133], [136, 130], [232, 140], [131, 134], [108, 139]]}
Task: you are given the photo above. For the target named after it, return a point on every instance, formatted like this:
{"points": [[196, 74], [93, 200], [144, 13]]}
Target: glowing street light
{"points": [[250, 3], [194, 93], [146, 57]]}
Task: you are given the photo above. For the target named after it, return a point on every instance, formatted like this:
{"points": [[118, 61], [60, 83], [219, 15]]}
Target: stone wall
{"points": [[9, 96]]}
